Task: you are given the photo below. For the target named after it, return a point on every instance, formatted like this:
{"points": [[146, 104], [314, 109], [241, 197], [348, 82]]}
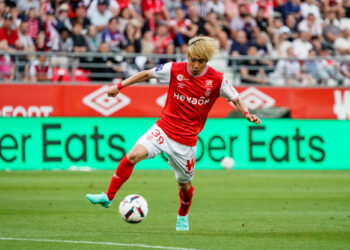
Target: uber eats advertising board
{"points": [[100, 143]]}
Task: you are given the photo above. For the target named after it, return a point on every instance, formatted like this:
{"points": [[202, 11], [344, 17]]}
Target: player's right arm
{"points": [[161, 72], [142, 76]]}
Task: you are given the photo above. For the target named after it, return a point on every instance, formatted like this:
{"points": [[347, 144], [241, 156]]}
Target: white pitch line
{"points": [[96, 243]]}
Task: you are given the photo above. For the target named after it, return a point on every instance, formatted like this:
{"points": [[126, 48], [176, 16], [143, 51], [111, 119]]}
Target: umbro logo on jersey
{"points": [[180, 85], [99, 101]]}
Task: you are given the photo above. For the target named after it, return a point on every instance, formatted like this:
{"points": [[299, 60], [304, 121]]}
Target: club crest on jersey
{"points": [[207, 92], [180, 77], [209, 83]]}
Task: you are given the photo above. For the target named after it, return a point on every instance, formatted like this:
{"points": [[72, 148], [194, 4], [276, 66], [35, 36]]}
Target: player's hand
{"points": [[253, 118], [113, 91]]}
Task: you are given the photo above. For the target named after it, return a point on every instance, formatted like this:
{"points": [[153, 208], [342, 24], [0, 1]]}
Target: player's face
{"points": [[196, 65]]}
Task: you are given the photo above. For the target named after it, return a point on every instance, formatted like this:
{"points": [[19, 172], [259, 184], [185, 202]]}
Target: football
{"points": [[227, 162], [133, 208]]}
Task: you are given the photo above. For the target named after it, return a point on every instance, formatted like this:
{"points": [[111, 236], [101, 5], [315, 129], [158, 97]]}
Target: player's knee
{"points": [[185, 186], [135, 156]]}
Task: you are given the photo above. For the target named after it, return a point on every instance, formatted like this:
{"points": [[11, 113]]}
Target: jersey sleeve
{"points": [[162, 72], [227, 90]]}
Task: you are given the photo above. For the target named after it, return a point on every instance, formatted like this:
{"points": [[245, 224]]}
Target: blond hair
{"points": [[202, 47]]}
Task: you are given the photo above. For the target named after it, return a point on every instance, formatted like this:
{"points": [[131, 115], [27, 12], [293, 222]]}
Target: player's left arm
{"points": [[241, 107], [230, 93]]}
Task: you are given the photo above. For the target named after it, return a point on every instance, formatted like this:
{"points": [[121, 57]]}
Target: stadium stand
{"points": [[263, 42]]}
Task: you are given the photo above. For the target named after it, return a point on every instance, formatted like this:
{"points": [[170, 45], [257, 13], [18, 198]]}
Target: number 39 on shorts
{"points": [[156, 134]]}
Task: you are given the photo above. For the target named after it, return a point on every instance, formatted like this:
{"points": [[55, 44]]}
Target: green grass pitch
{"points": [[230, 210]]}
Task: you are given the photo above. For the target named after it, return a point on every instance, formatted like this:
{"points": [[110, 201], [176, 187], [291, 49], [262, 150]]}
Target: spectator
{"points": [[231, 9], [40, 70], [112, 36], [100, 16], [26, 41], [202, 8], [51, 27], [346, 5], [265, 5], [35, 24], [332, 67], [153, 11], [314, 67], [80, 16], [249, 27], [2, 12], [93, 39], [291, 7], [276, 25], [331, 29], [63, 44], [287, 71], [262, 22], [41, 43], [196, 20], [302, 46], [79, 43], [24, 5], [162, 39], [181, 29], [147, 45], [218, 7], [27, 45], [309, 6], [238, 22], [312, 25], [116, 6], [263, 45], [125, 17], [128, 65], [172, 6], [15, 16], [133, 37], [63, 17], [252, 71], [332, 25], [7, 69], [342, 44], [9, 40], [111, 69], [291, 23], [240, 44], [345, 70], [333, 5], [316, 43], [283, 43], [214, 29]]}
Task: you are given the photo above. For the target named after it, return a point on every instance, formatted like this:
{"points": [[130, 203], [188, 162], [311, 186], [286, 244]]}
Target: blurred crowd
{"points": [[280, 36]]}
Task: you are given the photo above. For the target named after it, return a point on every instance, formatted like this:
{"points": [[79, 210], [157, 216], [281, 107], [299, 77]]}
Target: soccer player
{"points": [[193, 89]]}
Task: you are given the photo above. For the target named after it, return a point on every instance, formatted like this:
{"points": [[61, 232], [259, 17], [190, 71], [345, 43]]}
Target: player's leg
{"points": [[121, 175], [147, 146], [125, 168], [185, 194], [182, 160]]}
